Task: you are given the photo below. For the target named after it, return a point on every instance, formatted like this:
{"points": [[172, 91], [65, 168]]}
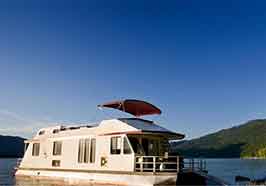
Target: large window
{"points": [[35, 149], [57, 148], [148, 146], [86, 151], [127, 149], [115, 145], [137, 147]]}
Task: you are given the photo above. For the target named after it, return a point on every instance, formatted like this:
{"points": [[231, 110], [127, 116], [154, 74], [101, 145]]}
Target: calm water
{"points": [[226, 169]]}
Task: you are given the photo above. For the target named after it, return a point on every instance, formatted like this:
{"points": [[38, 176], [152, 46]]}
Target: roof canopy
{"points": [[134, 107], [148, 127]]}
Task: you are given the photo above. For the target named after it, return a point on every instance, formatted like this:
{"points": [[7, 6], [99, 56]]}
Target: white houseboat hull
{"points": [[114, 178]]}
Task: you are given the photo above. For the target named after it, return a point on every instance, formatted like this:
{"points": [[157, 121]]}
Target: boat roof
{"points": [[109, 127], [144, 125], [149, 127]]}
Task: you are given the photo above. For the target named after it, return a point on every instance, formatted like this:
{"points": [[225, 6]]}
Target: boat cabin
{"points": [[127, 144]]}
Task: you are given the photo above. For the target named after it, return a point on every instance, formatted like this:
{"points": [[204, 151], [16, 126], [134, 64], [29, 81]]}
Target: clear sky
{"points": [[202, 62]]}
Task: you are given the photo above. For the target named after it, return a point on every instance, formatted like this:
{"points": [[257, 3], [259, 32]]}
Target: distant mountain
{"points": [[11, 146], [246, 140]]}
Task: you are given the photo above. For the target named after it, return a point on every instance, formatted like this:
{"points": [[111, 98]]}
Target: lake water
{"points": [[225, 169]]}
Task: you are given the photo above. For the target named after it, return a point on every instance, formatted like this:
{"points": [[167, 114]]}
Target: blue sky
{"points": [[201, 62]]}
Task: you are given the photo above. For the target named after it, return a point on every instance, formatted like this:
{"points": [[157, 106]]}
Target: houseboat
{"points": [[124, 151]]}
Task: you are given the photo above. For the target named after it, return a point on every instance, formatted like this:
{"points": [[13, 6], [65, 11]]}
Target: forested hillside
{"points": [[11, 146], [247, 140]]}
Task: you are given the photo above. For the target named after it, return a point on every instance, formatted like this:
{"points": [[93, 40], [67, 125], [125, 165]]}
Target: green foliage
{"points": [[247, 140]]}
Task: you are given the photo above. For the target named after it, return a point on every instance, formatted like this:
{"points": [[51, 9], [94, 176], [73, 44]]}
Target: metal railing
{"points": [[168, 164], [157, 164], [194, 165]]}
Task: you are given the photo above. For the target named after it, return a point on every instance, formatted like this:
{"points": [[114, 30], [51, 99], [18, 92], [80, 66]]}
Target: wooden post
{"points": [[141, 164], [154, 163], [135, 163], [177, 164]]}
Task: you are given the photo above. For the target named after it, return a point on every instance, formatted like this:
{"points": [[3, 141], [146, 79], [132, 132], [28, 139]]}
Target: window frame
{"points": [[129, 145], [116, 151], [42, 132], [36, 152], [86, 153], [93, 150], [56, 163], [81, 150], [57, 152]]}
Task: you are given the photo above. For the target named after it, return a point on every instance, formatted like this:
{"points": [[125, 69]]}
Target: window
{"points": [[26, 145], [56, 163], [127, 149], [93, 150], [42, 132], [137, 147], [153, 148], [81, 150], [35, 149], [164, 146], [84, 150], [87, 150], [57, 149], [115, 145], [55, 131], [150, 146]]}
